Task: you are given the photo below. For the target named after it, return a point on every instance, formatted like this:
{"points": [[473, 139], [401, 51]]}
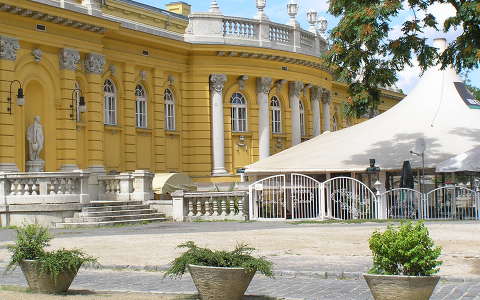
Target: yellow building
{"points": [[205, 94]]}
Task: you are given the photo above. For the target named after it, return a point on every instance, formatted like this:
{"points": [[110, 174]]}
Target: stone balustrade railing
{"points": [[188, 206], [126, 186], [42, 188], [210, 28]]}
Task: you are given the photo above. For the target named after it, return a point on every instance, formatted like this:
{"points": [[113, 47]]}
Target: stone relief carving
{"points": [[112, 70], [217, 82], [264, 84], [37, 54], [296, 88], [69, 59], [326, 96], [8, 48], [279, 85], [241, 82], [171, 80], [35, 139], [94, 63], [143, 75]]}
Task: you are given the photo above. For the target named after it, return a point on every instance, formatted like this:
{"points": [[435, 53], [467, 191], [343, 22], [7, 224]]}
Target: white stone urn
{"points": [[396, 287]]}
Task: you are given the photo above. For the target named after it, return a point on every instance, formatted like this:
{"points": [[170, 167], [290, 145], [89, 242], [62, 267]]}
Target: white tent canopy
{"points": [[466, 162], [439, 109]]}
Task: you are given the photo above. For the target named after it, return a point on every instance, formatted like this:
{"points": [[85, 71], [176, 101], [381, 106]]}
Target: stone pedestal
{"points": [[35, 165]]}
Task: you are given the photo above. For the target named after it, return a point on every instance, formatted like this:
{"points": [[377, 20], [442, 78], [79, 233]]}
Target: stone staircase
{"points": [[110, 213]]}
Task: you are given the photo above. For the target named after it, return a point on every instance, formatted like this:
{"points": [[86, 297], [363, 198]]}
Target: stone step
{"points": [[115, 212], [109, 223], [114, 208], [112, 203], [90, 219]]}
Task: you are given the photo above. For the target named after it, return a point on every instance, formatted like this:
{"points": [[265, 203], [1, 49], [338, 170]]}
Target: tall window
{"points": [[109, 103], [141, 107], [169, 110], [77, 101], [239, 112], [334, 123], [302, 119], [276, 115]]}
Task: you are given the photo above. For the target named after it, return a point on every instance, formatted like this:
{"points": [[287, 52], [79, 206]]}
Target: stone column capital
{"points": [[316, 93], [264, 84], [296, 88], [326, 96], [94, 63], [69, 59], [8, 48], [217, 82]]}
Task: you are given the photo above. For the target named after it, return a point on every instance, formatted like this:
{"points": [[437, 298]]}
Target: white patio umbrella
{"points": [[465, 162]]}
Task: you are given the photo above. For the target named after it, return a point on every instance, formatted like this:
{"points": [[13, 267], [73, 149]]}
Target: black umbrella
{"points": [[406, 176]]}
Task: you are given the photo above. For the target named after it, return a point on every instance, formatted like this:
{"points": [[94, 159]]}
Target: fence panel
{"points": [[268, 199], [304, 199], [451, 203], [403, 203], [347, 198]]}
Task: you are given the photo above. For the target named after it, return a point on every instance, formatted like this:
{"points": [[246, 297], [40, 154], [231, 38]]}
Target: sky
{"points": [[276, 10]]}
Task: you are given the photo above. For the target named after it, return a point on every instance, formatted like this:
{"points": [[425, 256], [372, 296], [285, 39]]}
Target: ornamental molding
{"points": [[217, 82], [296, 88], [8, 48], [94, 63], [241, 82], [326, 96], [37, 54], [264, 84], [69, 59], [279, 85]]}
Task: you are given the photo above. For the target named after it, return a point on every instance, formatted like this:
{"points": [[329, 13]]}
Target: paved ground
{"points": [[305, 251]]}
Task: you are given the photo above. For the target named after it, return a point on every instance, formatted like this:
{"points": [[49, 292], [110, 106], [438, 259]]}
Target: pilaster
{"points": [[326, 100], [316, 93], [158, 121], [8, 149], [129, 117], [296, 88]]}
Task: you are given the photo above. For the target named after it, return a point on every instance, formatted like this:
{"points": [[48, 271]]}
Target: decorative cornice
{"points": [[8, 48], [217, 82], [94, 63], [296, 88], [69, 59], [264, 84]]}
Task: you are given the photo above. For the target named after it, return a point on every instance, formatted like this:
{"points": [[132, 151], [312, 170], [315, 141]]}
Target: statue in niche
{"points": [[35, 139]]}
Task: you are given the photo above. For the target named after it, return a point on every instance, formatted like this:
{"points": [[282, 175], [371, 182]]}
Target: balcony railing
{"points": [[208, 28]]}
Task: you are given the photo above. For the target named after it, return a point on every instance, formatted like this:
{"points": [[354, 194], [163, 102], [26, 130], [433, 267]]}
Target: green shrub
{"points": [[240, 257], [404, 250], [30, 245]]}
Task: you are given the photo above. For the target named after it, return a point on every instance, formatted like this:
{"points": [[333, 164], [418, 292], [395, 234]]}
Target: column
{"points": [[263, 89], [326, 110], [8, 149], [130, 155], [159, 120], [217, 83], [315, 99], [67, 144], [296, 88], [94, 65]]}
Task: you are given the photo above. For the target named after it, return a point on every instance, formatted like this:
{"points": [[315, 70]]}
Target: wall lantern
{"points": [[20, 96], [292, 9], [82, 106]]}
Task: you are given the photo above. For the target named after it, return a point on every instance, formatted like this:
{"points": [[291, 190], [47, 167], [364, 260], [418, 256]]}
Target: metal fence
{"points": [[300, 197]]}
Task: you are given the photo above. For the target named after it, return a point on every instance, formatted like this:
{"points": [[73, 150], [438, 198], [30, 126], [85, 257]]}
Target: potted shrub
{"points": [[45, 271], [405, 260], [219, 275]]}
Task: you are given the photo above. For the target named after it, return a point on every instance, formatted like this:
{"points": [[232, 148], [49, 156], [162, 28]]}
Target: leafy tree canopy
{"points": [[366, 56]]}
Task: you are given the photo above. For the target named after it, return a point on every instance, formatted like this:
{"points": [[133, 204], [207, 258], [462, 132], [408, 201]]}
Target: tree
{"points": [[475, 91], [365, 54]]}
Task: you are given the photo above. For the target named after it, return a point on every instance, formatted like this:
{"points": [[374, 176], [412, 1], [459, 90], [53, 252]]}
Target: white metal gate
{"points": [[403, 203], [452, 202], [304, 200], [268, 199], [347, 198]]}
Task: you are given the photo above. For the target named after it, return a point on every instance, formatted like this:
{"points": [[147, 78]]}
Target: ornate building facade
{"points": [[122, 86]]}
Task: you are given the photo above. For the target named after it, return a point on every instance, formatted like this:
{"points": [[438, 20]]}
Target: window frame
{"points": [[169, 105], [303, 131], [141, 107], [239, 112], [276, 115], [109, 103]]}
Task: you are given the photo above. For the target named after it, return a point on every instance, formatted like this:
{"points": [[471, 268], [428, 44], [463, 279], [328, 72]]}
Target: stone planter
{"points": [[391, 287], [215, 283], [41, 282]]}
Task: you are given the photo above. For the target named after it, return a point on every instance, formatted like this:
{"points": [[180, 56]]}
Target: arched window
{"points": [[239, 112], [302, 119], [141, 106], [109, 103], [169, 110], [77, 101], [276, 115]]}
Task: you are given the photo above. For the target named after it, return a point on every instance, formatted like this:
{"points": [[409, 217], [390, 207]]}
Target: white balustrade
{"points": [[281, 34], [240, 28]]}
